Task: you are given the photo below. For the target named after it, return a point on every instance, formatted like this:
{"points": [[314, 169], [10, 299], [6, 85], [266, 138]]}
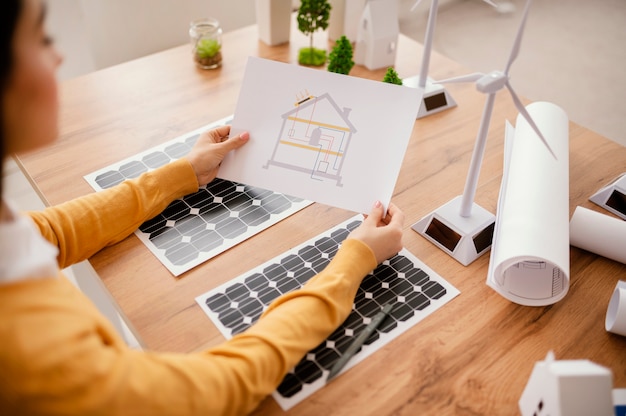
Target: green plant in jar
{"points": [[206, 40], [207, 48], [208, 53]]}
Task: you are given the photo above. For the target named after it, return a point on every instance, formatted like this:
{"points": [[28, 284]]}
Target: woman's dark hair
{"points": [[9, 13]]}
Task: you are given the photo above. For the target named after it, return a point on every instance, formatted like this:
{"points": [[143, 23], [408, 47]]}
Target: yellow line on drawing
{"points": [[316, 149], [317, 123]]}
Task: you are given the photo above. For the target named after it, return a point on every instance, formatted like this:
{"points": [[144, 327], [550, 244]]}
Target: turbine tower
{"points": [[461, 227], [434, 97]]}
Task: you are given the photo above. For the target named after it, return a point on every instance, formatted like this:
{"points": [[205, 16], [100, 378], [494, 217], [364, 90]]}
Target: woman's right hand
{"points": [[381, 233]]}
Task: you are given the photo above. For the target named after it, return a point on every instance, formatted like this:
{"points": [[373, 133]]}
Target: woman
{"points": [[58, 354]]}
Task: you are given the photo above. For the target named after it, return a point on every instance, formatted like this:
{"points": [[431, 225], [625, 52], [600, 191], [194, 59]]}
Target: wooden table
{"points": [[473, 356]]}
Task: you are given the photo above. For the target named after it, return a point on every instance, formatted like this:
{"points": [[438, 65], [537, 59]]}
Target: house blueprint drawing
{"points": [[314, 138], [339, 142]]}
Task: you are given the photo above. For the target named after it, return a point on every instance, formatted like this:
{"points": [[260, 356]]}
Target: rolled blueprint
{"points": [[598, 233], [529, 262], [616, 313]]}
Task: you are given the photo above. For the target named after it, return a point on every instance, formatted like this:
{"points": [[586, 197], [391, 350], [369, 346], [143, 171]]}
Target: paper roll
{"points": [[616, 313], [529, 262], [598, 233]]}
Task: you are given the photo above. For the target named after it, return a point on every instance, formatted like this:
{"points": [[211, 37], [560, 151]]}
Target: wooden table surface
{"points": [[473, 356]]}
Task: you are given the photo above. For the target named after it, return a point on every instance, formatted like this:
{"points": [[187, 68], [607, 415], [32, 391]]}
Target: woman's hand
{"points": [[210, 149], [382, 233]]}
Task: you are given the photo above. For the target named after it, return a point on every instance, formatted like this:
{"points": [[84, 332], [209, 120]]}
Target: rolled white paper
{"points": [[616, 313], [598, 233], [529, 262]]}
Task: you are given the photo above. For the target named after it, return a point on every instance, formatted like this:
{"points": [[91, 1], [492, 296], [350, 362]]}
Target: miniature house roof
{"points": [[381, 18], [567, 387], [377, 35], [337, 116]]}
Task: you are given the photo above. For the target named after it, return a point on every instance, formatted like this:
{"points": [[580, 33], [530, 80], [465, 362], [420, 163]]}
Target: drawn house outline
{"points": [[377, 35], [314, 138]]}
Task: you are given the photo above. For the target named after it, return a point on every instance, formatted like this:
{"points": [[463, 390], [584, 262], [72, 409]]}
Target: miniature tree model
{"points": [[391, 77], [340, 59], [312, 16]]}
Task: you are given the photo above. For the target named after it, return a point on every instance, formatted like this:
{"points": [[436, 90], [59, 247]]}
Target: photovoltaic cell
{"points": [[201, 225], [415, 291]]}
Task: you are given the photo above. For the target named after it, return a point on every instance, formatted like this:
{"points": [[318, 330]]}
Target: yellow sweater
{"points": [[60, 356]]}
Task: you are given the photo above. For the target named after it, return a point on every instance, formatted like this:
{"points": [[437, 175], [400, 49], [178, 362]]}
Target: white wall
{"points": [[93, 34], [66, 24]]}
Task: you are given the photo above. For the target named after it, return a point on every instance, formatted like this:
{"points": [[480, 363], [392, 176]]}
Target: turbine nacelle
{"points": [[492, 82]]}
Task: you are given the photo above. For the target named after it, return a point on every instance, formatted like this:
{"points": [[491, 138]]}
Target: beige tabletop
{"points": [[472, 356]]}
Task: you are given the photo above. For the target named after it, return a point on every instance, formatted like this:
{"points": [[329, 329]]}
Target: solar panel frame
{"points": [[404, 279], [199, 226]]}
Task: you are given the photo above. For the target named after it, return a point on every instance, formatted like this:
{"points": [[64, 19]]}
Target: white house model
{"points": [[314, 139], [567, 388], [377, 35], [352, 11]]}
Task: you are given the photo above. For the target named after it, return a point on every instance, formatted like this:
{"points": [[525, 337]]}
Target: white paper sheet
{"points": [[330, 138], [598, 233], [615, 320], [529, 261]]}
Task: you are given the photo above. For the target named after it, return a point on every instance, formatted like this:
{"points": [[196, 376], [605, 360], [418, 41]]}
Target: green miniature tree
{"points": [[312, 16], [340, 59], [391, 77]]}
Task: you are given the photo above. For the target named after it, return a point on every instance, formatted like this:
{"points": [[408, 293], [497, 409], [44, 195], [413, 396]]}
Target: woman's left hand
{"points": [[210, 149]]}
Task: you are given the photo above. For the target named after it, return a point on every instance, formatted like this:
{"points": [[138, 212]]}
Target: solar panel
{"points": [[415, 291], [201, 225]]}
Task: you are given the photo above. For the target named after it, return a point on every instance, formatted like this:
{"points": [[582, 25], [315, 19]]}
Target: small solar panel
{"points": [[435, 101], [201, 225], [415, 291], [617, 201], [483, 239], [443, 234]]}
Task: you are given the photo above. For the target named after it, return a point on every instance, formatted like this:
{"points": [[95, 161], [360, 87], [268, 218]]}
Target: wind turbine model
{"points": [[461, 227], [434, 96]]}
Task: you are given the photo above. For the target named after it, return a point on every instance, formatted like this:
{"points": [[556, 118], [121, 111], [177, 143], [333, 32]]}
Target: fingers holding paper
{"points": [[210, 149], [381, 231]]}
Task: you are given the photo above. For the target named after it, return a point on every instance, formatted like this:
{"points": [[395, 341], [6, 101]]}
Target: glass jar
{"points": [[206, 42]]}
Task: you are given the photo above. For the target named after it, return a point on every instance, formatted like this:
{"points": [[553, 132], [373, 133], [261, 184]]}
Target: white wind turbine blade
{"points": [[524, 113], [489, 2], [415, 5], [463, 78], [518, 38]]}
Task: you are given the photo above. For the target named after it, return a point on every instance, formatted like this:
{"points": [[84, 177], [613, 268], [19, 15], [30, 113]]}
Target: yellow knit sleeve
{"points": [[66, 359], [83, 226], [294, 324], [60, 356]]}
